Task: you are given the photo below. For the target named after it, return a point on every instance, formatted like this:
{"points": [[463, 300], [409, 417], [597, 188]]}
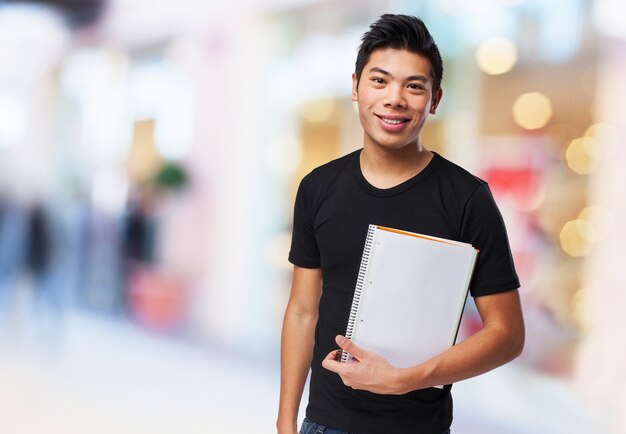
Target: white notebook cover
{"points": [[410, 295]]}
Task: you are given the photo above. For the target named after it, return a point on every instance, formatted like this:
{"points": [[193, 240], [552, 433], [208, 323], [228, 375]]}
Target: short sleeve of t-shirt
{"points": [[484, 228], [304, 251]]}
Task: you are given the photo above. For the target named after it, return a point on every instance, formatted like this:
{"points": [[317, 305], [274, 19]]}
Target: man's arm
{"points": [[499, 341], [297, 344]]}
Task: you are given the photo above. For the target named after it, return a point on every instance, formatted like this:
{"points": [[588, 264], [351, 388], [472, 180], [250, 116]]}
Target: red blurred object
{"points": [[520, 183], [156, 300]]}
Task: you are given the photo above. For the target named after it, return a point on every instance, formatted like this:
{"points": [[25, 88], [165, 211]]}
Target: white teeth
{"points": [[392, 121]]}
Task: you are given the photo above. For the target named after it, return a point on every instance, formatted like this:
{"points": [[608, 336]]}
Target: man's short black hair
{"points": [[400, 32]]}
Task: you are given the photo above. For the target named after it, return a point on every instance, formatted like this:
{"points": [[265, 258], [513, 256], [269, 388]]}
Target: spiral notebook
{"points": [[409, 296]]}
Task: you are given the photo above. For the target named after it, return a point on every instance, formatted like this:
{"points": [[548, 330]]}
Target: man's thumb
{"points": [[348, 346]]}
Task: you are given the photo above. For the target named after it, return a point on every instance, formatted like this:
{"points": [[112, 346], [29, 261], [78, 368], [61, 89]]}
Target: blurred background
{"points": [[149, 156]]}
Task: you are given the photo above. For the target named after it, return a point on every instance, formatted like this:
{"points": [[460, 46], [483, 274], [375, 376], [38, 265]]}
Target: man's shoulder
{"points": [[329, 171], [458, 176]]}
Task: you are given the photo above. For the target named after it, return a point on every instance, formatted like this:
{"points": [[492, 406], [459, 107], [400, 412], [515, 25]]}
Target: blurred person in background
{"points": [[137, 236], [38, 268], [30, 301], [12, 230], [38, 249], [392, 181]]}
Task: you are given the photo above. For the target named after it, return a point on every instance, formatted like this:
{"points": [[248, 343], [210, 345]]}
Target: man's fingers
{"points": [[331, 363], [347, 345]]}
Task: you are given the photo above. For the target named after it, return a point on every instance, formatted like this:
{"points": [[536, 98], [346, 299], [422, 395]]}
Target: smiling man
{"points": [[393, 181]]}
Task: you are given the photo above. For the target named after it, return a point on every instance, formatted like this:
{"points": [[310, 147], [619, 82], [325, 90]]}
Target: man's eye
{"points": [[378, 80], [416, 86]]}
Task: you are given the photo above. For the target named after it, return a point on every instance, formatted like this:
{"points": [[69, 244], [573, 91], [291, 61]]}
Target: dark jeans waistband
{"points": [[310, 427]]}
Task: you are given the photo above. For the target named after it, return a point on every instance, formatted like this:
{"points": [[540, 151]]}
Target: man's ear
{"points": [[436, 99], [355, 96]]}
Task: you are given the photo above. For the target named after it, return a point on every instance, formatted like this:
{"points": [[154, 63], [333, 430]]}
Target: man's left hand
{"points": [[366, 371]]}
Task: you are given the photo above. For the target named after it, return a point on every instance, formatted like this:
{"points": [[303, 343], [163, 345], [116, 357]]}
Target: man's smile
{"points": [[392, 122]]}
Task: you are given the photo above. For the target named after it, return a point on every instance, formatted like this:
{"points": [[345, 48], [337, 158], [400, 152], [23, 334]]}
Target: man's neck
{"points": [[388, 168]]}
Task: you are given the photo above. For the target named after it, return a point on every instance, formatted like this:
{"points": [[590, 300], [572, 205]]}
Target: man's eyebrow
{"points": [[416, 77], [381, 71]]}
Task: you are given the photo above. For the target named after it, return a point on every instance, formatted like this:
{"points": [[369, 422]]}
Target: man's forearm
{"points": [[485, 350], [499, 341], [296, 353]]}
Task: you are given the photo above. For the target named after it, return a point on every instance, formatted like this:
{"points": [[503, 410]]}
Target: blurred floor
{"points": [[107, 376]]}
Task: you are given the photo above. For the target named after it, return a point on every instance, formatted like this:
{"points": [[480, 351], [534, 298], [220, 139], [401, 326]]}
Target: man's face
{"points": [[394, 96]]}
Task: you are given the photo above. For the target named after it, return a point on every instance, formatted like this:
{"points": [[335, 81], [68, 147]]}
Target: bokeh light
{"points": [[583, 155], [606, 137], [577, 237], [532, 110], [496, 56]]}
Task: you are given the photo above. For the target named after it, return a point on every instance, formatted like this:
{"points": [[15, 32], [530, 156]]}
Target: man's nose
{"points": [[395, 97]]}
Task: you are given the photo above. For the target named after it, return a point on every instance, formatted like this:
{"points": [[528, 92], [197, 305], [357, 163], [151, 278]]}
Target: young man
{"points": [[393, 181]]}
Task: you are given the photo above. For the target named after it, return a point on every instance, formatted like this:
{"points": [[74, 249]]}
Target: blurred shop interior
{"points": [[150, 152]]}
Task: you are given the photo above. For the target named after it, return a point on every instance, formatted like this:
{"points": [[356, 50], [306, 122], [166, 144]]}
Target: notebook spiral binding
{"points": [[360, 282]]}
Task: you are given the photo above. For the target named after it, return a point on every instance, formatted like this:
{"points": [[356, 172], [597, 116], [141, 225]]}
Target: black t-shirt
{"points": [[334, 206]]}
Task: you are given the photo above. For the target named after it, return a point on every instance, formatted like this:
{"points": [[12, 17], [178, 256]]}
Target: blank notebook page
{"points": [[412, 297]]}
